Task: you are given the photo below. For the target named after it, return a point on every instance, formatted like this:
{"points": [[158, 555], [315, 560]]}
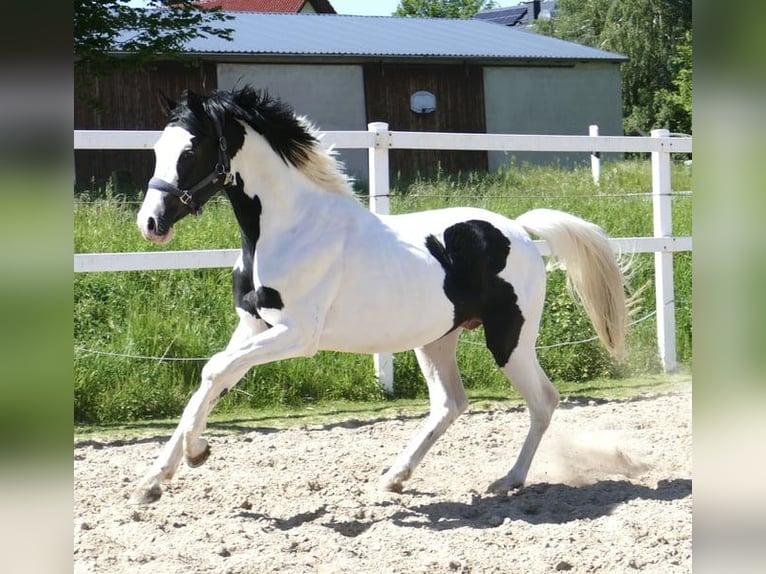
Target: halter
{"points": [[186, 196]]}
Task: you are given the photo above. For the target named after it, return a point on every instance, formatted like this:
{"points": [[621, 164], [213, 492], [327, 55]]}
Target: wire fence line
{"points": [[631, 195], [84, 351], [571, 343], [626, 195]]}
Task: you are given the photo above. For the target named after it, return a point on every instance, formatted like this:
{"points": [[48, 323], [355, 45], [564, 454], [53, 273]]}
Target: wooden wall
{"points": [[128, 101], [459, 91]]}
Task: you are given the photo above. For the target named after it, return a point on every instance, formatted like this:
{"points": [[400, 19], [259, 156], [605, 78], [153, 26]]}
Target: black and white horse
{"points": [[312, 255]]}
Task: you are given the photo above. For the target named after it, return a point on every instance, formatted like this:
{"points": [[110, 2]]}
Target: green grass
{"points": [[188, 313]]}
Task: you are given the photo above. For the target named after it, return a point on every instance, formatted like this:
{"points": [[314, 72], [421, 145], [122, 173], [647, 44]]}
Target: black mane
{"points": [[289, 137]]}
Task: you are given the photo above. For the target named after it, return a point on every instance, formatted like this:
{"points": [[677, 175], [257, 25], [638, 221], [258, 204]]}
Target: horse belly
{"points": [[370, 334], [391, 319]]}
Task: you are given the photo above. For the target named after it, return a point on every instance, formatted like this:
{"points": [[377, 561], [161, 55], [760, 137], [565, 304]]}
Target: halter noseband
{"points": [[186, 196]]}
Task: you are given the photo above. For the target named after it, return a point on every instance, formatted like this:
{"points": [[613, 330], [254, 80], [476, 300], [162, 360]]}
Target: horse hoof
{"points": [[199, 460], [142, 496], [391, 486], [504, 486], [394, 482]]}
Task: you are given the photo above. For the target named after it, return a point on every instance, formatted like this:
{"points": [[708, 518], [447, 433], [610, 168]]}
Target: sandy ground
{"points": [[305, 499]]}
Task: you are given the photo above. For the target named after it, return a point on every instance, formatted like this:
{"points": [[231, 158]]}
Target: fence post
{"points": [[595, 156], [662, 209], [379, 190]]}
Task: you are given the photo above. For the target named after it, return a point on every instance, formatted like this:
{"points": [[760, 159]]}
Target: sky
{"points": [[365, 7]]}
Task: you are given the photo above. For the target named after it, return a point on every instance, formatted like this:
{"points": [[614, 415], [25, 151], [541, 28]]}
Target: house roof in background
{"points": [[519, 15], [290, 6], [335, 35], [509, 16]]}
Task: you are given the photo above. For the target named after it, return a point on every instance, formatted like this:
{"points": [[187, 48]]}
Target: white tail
{"points": [[594, 276]]}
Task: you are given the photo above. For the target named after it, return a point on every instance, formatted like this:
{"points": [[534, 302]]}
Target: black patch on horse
{"points": [[268, 298], [472, 255], [248, 214], [247, 211], [244, 292]]}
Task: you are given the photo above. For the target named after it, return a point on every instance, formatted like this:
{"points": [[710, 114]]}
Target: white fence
{"points": [[378, 140]]}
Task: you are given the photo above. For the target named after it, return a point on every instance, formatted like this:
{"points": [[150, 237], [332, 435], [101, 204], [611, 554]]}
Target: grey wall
{"points": [[330, 96], [552, 101]]}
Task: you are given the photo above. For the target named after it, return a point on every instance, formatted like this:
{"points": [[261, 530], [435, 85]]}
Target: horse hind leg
{"points": [[542, 398], [448, 400]]}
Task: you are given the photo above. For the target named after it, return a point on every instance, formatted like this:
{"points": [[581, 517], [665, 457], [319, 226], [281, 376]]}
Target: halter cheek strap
{"points": [[186, 196]]}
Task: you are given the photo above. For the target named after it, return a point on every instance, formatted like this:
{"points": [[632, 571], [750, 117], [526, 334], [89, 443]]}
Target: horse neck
{"points": [[285, 193]]}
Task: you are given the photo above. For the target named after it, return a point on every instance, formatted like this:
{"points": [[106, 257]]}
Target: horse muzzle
{"points": [[152, 220], [153, 230]]}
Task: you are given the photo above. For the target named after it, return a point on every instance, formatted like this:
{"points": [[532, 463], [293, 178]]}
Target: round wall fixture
{"points": [[423, 102]]}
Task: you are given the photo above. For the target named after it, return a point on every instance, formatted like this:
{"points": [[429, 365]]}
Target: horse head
{"points": [[204, 134], [192, 162]]}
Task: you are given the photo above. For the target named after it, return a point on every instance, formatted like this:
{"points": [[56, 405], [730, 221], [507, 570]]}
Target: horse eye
{"points": [[187, 154]]}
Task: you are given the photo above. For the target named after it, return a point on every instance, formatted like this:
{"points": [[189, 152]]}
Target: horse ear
{"points": [[193, 100], [165, 102]]}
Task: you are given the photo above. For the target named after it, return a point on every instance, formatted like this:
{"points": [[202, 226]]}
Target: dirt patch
{"points": [[305, 499]]}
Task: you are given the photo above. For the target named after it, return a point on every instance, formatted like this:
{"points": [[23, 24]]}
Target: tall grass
{"points": [[123, 321]]}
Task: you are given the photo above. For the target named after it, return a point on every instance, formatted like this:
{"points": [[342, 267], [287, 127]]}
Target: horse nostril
{"points": [[151, 225]]}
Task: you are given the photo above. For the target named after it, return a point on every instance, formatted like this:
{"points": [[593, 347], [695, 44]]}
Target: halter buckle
{"points": [[185, 197]]}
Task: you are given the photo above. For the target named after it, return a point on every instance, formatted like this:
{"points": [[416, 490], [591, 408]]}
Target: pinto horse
{"points": [[312, 254]]}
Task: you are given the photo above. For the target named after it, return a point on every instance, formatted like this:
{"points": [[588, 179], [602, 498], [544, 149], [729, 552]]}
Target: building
{"points": [[288, 6], [417, 74]]}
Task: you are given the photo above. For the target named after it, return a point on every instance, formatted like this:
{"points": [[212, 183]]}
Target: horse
{"points": [[312, 254]]}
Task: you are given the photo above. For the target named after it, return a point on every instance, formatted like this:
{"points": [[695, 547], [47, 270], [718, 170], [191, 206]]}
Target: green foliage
{"points": [[675, 105], [578, 21], [112, 35], [188, 313], [442, 8], [656, 37], [160, 28]]}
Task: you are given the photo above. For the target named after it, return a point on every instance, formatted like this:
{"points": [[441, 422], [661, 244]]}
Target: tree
{"points": [[577, 21], [158, 29], [677, 103], [653, 34], [443, 8]]}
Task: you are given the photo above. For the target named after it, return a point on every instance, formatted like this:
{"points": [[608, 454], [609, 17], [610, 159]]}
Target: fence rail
{"points": [[213, 258], [378, 140], [145, 139]]}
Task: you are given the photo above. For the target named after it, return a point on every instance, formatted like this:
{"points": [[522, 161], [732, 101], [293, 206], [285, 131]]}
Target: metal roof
{"points": [[336, 35]]}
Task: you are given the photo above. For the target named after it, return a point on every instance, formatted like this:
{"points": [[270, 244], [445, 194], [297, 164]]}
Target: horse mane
{"points": [[293, 138]]}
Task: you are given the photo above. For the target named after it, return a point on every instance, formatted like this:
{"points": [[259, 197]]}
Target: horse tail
{"points": [[594, 277]]}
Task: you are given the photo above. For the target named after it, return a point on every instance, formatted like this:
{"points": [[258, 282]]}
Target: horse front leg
{"points": [[249, 327], [222, 372]]}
